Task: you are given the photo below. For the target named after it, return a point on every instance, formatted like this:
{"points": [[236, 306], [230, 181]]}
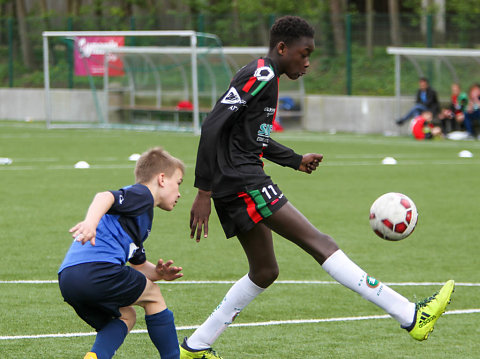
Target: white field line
{"points": [[365, 139], [433, 162], [71, 167], [178, 282], [254, 324]]}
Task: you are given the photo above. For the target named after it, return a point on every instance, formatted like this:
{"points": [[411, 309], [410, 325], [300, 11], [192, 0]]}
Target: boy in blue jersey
{"points": [[94, 278]]}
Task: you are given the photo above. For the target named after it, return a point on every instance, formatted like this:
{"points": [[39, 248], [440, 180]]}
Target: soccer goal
{"points": [[132, 79], [167, 80], [441, 66]]}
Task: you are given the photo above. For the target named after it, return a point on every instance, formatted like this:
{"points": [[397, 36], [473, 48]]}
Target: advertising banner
{"points": [[89, 55]]}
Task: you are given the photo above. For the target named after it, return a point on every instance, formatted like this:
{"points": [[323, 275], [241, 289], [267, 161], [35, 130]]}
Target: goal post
{"points": [[190, 48]]}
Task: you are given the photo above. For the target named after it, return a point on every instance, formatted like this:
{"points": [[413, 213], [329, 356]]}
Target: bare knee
{"points": [[151, 299], [322, 247], [129, 317], [264, 276]]}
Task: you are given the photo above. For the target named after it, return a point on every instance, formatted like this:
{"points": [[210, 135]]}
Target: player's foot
{"points": [[90, 355], [189, 353], [429, 310]]}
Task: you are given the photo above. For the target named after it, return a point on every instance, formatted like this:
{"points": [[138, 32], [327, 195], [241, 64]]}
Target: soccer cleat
{"points": [[90, 355], [429, 310], [189, 353]]}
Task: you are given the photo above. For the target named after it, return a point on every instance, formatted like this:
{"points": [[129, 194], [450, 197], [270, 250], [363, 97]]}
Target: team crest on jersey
{"points": [[264, 73], [232, 97]]}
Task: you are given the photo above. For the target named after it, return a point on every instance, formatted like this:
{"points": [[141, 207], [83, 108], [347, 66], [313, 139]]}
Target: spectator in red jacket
{"points": [[423, 128]]}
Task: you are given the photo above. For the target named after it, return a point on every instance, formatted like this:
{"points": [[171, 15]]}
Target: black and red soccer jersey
{"points": [[236, 134]]}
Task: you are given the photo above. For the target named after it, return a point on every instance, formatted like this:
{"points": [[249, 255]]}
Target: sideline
{"points": [[253, 324], [179, 282]]}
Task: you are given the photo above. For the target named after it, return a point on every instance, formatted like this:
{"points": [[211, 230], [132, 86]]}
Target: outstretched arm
{"points": [[86, 230], [160, 271], [199, 214], [282, 155]]}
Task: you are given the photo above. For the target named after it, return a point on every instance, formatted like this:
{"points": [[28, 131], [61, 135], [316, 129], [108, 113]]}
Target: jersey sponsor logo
{"points": [[121, 199], [264, 133], [232, 97], [269, 110], [265, 130], [264, 73], [233, 108]]}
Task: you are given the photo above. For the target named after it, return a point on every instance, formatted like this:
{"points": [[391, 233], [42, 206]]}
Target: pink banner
{"points": [[89, 55]]}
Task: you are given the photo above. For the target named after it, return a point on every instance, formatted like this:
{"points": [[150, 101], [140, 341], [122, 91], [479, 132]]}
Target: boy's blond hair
{"points": [[156, 161]]}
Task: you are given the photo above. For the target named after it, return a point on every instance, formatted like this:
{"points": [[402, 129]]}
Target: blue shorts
{"points": [[240, 212], [97, 290]]}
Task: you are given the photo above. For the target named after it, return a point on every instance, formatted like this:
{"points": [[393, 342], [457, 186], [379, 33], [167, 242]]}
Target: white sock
{"points": [[346, 272], [237, 298]]}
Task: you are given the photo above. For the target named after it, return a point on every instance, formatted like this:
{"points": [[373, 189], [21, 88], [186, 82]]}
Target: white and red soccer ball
{"points": [[393, 216]]}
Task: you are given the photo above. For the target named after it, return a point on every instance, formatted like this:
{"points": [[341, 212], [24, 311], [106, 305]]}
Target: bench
{"points": [[148, 110]]}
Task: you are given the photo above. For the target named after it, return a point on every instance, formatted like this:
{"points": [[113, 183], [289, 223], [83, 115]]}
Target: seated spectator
{"points": [[423, 128], [426, 100], [451, 118], [472, 112]]}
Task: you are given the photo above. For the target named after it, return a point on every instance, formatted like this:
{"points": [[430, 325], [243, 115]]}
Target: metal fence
{"points": [[359, 66]]}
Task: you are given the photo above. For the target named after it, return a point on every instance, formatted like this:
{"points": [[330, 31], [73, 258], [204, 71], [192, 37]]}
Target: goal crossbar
{"points": [[418, 51], [411, 52]]}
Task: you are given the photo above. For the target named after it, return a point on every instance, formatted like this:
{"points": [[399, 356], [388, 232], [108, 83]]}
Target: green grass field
{"points": [[42, 196]]}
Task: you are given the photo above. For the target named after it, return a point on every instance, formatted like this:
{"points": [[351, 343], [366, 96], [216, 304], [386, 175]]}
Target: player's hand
{"points": [[84, 232], [168, 272], [199, 215], [310, 162]]}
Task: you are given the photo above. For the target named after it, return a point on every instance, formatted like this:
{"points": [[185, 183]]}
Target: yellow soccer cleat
{"points": [[90, 355], [429, 310], [188, 353]]}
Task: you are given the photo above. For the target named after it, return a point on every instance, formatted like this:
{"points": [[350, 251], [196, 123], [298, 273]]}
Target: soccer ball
{"points": [[393, 216]]}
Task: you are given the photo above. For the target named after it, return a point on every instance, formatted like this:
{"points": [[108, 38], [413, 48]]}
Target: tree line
{"points": [[239, 13]]}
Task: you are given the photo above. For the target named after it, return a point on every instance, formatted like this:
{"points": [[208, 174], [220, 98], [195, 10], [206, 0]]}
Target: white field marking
{"points": [[130, 165], [404, 284], [327, 164], [401, 163], [41, 159], [65, 167], [365, 139], [254, 324]]}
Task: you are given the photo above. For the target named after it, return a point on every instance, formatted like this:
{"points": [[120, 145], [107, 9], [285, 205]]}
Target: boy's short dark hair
{"points": [[288, 29], [154, 162]]}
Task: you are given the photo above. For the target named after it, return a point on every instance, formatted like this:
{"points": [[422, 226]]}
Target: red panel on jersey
{"points": [[249, 84], [251, 81]]}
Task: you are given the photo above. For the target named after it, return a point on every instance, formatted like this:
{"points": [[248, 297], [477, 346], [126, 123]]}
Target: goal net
{"points": [[132, 79], [442, 67]]}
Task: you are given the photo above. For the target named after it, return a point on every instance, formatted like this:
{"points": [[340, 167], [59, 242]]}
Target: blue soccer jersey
{"points": [[120, 232]]}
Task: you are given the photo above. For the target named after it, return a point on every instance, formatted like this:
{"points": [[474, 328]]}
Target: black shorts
{"points": [[97, 290], [240, 212]]}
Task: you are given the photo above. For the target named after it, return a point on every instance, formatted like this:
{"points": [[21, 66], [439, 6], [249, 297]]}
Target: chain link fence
{"points": [[350, 60]]}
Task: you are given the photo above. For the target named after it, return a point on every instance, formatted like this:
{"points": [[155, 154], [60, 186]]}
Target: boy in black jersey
{"points": [[235, 137]]}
